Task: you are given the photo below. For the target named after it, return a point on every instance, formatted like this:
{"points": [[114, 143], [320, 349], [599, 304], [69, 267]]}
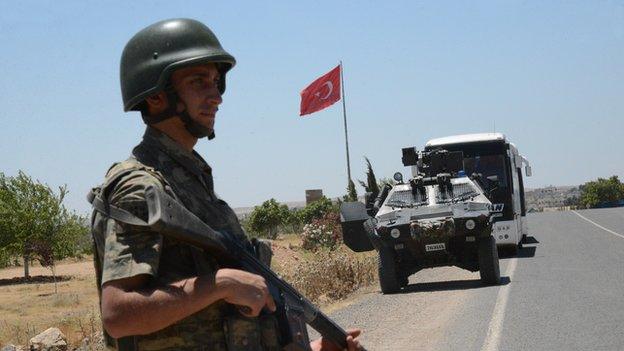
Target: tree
{"points": [[371, 185], [602, 191], [351, 192], [265, 218], [34, 224]]}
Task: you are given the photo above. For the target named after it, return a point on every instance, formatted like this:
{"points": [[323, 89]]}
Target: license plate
{"points": [[435, 247]]}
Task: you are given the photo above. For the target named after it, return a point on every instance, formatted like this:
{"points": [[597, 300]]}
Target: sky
{"points": [[547, 74]]}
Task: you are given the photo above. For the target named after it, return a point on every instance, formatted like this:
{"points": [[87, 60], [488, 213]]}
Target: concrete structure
{"points": [[313, 195]]}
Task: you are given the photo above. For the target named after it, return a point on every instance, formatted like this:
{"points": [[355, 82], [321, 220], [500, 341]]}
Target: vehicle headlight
{"points": [[470, 224], [395, 233]]}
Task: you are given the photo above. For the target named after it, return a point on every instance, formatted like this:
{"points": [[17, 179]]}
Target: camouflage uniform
{"points": [[124, 250]]}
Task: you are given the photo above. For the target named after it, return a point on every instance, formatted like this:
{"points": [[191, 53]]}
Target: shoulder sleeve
{"points": [[130, 250]]}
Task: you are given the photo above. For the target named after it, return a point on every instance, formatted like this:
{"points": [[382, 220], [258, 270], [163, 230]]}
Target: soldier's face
{"points": [[197, 87]]}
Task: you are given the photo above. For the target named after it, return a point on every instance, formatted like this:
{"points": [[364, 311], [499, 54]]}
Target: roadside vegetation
{"points": [[601, 193]]}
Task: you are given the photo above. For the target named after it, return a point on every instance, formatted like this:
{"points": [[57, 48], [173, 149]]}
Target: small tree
{"points": [[601, 191], [265, 219], [371, 185], [35, 224], [351, 192]]}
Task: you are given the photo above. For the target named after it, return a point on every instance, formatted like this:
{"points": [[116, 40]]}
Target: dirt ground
{"points": [[27, 309]]}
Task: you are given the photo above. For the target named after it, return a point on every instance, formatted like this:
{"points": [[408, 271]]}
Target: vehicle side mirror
{"points": [[527, 171]]}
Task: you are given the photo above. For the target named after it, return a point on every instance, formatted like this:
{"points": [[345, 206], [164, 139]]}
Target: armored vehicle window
{"points": [[405, 198], [459, 192]]}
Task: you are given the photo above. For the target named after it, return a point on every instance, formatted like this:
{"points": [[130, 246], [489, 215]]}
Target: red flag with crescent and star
{"points": [[323, 92]]}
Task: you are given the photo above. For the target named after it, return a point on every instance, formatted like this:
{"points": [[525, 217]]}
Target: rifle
{"points": [[294, 311]]}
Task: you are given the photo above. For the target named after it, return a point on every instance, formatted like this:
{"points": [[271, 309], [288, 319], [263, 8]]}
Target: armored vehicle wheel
{"points": [[488, 261], [388, 278]]}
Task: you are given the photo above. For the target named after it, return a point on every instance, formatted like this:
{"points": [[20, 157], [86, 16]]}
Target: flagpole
{"points": [[344, 115]]}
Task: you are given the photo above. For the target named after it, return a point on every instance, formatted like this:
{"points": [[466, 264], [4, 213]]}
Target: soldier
{"points": [[157, 293]]}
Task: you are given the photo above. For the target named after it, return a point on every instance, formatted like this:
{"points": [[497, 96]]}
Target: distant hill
{"points": [[550, 196]]}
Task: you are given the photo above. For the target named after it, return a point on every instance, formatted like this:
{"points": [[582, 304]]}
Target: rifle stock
{"points": [[294, 311]]}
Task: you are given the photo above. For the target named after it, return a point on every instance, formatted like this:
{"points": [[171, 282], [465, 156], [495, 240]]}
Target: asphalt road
{"points": [[563, 292]]}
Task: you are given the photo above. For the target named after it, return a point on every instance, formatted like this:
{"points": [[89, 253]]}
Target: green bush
{"points": [[266, 218], [316, 210], [602, 191], [292, 223]]}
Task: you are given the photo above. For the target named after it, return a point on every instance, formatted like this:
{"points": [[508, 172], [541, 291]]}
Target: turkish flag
{"points": [[323, 92]]}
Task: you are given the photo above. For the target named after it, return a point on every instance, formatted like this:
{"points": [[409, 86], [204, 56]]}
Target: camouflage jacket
{"points": [[124, 251]]}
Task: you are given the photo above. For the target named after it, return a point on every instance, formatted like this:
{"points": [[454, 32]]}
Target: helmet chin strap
{"points": [[195, 129]]}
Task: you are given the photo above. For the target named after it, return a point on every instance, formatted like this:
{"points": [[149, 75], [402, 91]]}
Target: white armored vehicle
{"points": [[440, 217]]}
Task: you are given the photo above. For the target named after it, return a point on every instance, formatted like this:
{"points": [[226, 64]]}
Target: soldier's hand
{"points": [[353, 344], [247, 290]]}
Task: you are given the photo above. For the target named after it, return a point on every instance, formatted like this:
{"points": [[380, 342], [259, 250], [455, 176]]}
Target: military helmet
{"points": [[155, 52]]}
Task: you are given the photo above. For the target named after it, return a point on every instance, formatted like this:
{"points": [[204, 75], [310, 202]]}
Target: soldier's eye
{"points": [[197, 82]]}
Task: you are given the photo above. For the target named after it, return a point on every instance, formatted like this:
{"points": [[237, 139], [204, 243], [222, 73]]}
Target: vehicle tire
{"points": [[388, 277], [488, 261]]}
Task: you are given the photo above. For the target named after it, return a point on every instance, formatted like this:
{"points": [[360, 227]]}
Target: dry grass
{"points": [[28, 309], [328, 276]]}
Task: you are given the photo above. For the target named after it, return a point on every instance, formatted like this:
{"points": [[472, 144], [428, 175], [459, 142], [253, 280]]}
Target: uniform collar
{"points": [[192, 161]]}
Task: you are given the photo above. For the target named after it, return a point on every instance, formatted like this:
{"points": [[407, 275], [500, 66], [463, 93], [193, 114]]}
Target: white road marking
{"points": [[492, 339], [598, 225]]}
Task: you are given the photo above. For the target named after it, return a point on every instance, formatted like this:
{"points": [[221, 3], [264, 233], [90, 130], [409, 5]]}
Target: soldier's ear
{"points": [[157, 100], [156, 103]]}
